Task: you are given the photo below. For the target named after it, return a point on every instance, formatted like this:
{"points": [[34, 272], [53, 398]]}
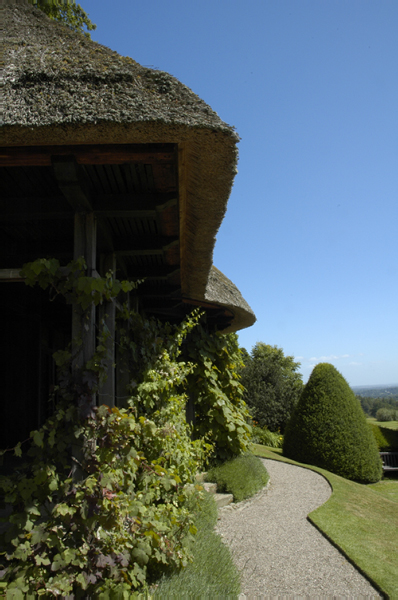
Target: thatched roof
{"points": [[221, 291], [60, 88], [54, 76]]}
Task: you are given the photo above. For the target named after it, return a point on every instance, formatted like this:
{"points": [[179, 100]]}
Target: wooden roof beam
{"points": [[145, 246], [158, 272], [100, 154], [70, 182], [53, 215], [133, 201]]}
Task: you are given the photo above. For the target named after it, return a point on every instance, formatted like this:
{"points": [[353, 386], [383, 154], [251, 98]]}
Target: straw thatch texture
{"points": [[61, 88], [54, 76], [221, 291]]}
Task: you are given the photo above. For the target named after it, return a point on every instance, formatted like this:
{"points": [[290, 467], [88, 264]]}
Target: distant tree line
{"points": [[377, 392], [382, 409]]}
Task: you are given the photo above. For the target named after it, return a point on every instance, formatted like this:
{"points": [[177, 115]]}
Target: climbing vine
{"points": [[215, 385], [100, 504]]}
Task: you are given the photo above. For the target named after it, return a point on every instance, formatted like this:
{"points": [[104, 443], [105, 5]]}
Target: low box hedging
{"points": [[386, 439]]}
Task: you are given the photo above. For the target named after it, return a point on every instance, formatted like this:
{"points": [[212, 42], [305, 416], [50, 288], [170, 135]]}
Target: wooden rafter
{"points": [[71, 182], [40, 156]]}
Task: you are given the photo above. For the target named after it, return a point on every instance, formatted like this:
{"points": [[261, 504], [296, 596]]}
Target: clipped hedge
{"points": [[386, 439], [242, 476], [328, 429]]}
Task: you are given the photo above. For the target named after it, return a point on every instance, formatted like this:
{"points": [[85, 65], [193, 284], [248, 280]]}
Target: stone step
{"points": [[223, 499], [210, 487]]}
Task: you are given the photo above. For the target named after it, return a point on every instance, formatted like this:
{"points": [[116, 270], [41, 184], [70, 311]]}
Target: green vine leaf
{"points": [[18, 449], [38, 438], [107, 495]]}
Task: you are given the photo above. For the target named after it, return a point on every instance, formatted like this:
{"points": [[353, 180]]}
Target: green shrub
{"points": [[328, 429], [386, 439], [386, 414], [262, 435], [242, 477]]}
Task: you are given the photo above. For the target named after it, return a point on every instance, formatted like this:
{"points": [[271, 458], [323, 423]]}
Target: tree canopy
{"points": [[68, 13], [272, 385]]}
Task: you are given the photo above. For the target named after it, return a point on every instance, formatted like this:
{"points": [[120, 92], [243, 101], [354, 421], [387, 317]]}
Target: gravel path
{"points": [[278, 552]]}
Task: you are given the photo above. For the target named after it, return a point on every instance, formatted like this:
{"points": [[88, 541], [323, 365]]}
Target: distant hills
{"points": [[376, 391]]}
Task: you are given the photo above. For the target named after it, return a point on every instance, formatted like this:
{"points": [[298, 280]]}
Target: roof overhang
{"points": [[87, 129]]}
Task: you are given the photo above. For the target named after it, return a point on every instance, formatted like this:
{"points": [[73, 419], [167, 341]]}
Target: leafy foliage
{"points": [[72, 283], [262, 435], [328, 429], [128, 517], [117, 526], [101, 506], [242, 476], [272, 385], [67, 13], [220, 412]]}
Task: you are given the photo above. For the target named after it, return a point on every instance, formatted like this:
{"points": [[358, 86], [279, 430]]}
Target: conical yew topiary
{"points": [[328, 429]]}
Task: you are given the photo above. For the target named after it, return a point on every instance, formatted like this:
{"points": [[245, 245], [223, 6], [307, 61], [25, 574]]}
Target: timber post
{"points": [[107, 319]]}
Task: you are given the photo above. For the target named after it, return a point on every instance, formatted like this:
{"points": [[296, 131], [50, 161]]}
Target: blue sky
{"points": [[310, 235]]}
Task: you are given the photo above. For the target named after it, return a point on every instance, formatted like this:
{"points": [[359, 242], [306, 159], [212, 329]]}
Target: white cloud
{"points": [[328, 358]]}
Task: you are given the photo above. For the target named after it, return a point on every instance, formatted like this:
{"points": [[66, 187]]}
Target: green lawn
{"points": [[387, 424], [361, 520], [388, 487]]}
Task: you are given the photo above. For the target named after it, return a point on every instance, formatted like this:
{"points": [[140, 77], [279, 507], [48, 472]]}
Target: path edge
{"points": [[377, 586]]}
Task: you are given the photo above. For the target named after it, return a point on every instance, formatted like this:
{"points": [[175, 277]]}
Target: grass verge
{"points": [[361, 521], [242, 476], [212, 573]]}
